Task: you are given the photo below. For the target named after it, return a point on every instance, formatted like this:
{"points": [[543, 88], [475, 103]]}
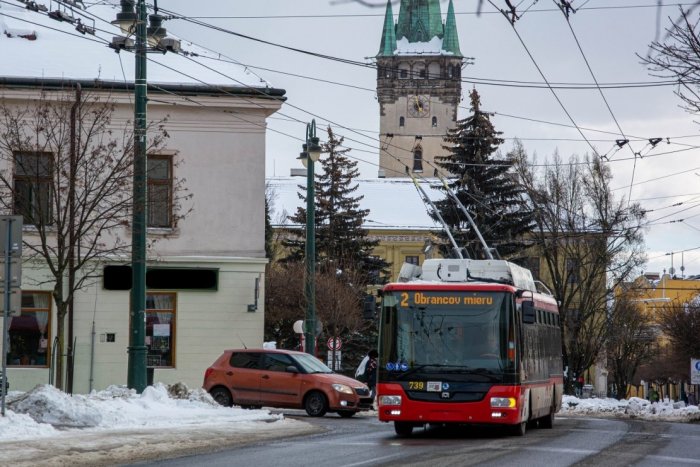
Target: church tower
{"points": [[419, 86]]}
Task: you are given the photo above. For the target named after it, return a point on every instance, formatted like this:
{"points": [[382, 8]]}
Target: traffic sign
{"points": [[11, 225], [15, 273], [694, 371], [334, 343], [334, 364], [15, 302]]}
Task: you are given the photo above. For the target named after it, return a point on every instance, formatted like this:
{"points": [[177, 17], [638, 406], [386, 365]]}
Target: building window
{"points": [[29, 332], [412, 259], [402, 121], [403, 73], [160, 329], [418, 160], [421, 73], [573, 267], [160, 191], [33, 191], [434, 122]]}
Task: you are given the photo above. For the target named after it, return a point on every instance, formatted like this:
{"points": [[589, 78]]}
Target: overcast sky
{"points": [[610, 33]]}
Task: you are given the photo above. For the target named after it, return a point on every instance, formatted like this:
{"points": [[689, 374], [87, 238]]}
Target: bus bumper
{"points": [[502, 405]]}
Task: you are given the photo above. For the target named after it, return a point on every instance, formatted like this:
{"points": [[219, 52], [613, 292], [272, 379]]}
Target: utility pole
{"points": [[136, 378]]}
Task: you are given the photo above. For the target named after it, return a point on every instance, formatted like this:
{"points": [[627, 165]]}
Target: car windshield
{"points": [[311, 364]]}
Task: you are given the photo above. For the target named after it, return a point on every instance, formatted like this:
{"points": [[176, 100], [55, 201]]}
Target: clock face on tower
{"points": [[418, 106]]}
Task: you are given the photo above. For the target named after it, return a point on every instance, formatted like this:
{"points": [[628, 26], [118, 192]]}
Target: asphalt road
{"points": [[364, 441]]}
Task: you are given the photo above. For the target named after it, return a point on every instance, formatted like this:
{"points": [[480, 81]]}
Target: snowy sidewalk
{"points": [[46, 427]]}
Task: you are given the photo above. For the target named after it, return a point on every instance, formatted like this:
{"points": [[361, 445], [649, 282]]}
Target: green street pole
{"points": [[310, 332], [137, 348]]}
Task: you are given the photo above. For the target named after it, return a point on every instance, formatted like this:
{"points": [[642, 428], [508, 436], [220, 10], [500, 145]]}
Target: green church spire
{"points": [[388, 44], [419, 20], [450, 41]]}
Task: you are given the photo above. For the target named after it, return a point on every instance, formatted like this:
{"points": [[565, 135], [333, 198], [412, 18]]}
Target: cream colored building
{"points": [[206, 274]]}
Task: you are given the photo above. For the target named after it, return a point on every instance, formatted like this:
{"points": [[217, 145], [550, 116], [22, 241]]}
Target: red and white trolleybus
{"points": [[467, 341]]}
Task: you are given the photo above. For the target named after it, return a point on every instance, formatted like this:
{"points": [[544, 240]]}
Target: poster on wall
{"points": [[161, 330]]}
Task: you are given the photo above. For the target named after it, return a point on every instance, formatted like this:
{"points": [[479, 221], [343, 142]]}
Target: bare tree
{"points": [[338, 305], [67, 169], [590, 243], [678, 56], [680, 323], [630, 341]]}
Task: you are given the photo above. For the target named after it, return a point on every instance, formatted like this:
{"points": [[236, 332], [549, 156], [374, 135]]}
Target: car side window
{"points": [[277, 362], [248, 360]]}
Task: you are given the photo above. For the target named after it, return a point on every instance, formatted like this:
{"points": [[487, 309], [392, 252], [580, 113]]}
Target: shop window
{"points": [[33, 190], [160, 329], [30, 331], [160, 191]]}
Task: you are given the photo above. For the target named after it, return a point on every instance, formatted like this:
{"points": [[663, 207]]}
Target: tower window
{"points": [[418, 160], [402, 121], [434, 121]]}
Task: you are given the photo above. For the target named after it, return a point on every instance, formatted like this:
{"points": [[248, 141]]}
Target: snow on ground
{"points": [[46, 427], [634, 407], [45, 411]]}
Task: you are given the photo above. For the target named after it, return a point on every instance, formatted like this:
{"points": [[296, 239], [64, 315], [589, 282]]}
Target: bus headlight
{"points": [[342, 388], [390, 400], [503, 402]]}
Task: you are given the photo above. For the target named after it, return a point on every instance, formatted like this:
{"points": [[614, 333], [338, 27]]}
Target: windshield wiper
{"points": [[430, 365]]}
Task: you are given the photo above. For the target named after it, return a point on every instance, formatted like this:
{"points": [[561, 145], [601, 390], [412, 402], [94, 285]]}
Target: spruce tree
{"points": [[341, 242], [485, 184]]}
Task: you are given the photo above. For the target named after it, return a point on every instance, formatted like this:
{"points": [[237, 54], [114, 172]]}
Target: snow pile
{"points": [[631, 408], [39, 412], [46, 404]]}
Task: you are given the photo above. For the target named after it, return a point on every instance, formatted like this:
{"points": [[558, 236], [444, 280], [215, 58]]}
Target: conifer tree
{"points": [[484, 183], [341, 242]]}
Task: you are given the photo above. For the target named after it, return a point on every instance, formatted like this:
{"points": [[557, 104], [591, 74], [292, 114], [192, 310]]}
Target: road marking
{"points": [[372, 461], [684, 460]]}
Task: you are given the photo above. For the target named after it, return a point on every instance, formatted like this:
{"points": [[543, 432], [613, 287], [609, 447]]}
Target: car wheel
{"points": [[316, 404], [403, 429], [222, 396], [346, 413]]}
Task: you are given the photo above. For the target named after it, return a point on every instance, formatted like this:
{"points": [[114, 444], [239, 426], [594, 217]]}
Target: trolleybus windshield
{"points": [[466, 334]]}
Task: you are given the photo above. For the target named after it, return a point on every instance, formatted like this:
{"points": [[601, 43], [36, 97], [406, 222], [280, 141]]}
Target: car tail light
{"points": [[208, 373]]}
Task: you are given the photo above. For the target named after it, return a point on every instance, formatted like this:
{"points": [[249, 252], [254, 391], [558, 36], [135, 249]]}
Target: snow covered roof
{"points": [[35, 46], [392, 203]]}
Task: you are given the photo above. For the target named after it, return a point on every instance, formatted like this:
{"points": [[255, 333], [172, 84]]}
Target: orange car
{"points": [[253, 378]]}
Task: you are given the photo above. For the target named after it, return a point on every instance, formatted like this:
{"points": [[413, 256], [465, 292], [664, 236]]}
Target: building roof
{"points": [[392, 203], [37, 48], [419, 30]]}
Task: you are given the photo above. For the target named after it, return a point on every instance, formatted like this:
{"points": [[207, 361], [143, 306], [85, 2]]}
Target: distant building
{"points": [[205, 283], [419, 86], [397, 218]]}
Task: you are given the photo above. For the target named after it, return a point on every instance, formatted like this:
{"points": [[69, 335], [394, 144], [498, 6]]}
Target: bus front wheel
{"points": [[403, 429], [520, 429]]}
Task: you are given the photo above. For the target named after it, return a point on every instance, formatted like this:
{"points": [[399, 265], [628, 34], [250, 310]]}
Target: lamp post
{"points": [[310, 154], [136, 23]]}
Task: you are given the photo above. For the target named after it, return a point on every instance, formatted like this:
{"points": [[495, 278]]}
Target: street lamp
{"points": [[135, 23], [310, 154]]}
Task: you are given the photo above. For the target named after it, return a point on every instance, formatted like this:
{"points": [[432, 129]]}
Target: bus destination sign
{"points": [[436, 298]]}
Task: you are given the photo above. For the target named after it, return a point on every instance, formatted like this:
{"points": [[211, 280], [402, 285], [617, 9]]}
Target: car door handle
{"points": [[265, 377], [229, 373]]}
